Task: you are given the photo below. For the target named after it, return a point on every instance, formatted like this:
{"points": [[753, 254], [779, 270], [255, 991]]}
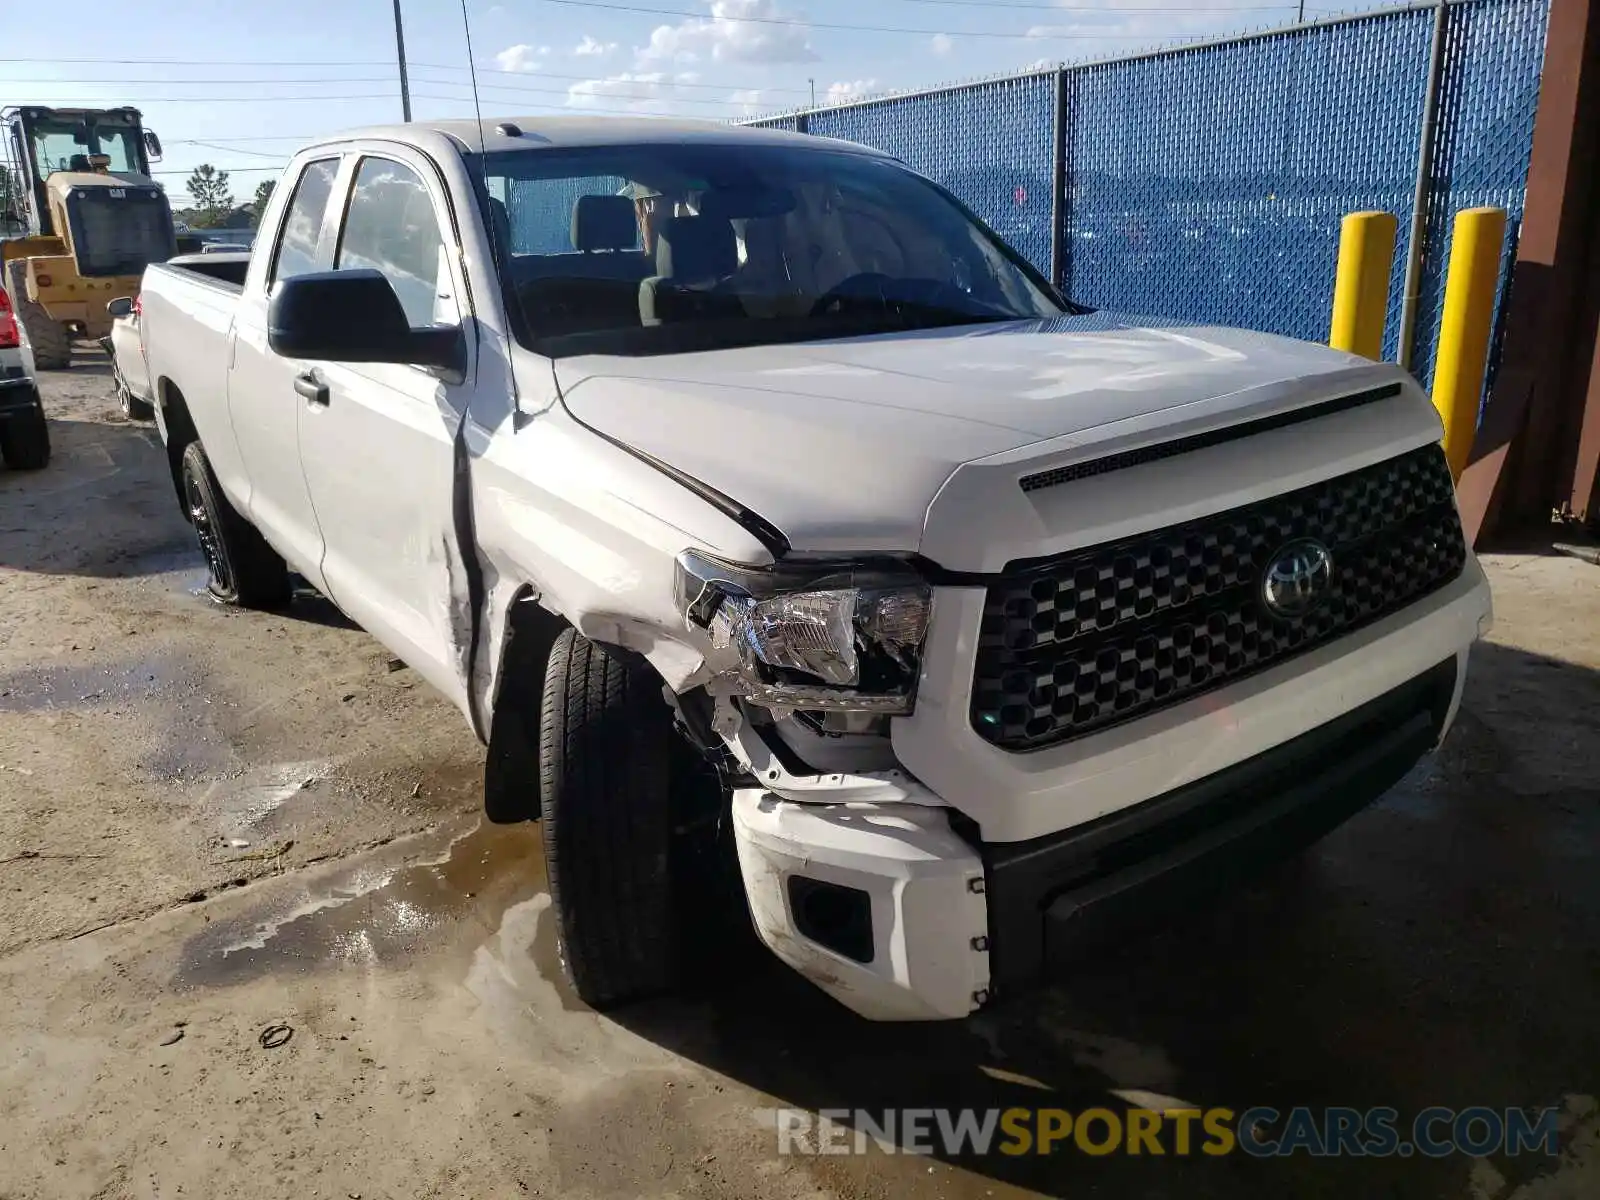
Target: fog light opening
{"points": [[836, 917]]}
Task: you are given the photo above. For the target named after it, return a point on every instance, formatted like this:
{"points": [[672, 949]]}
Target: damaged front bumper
{"points": [[892, 912], [879, 905]]}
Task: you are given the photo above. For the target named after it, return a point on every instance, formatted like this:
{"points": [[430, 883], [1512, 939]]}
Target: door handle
{"points": [[312, 388]]}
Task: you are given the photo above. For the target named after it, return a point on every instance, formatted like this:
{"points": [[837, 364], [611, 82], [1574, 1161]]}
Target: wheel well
{"points": [[511, 770], [180, 432]]}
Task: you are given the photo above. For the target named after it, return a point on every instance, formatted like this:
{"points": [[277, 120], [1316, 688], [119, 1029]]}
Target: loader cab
{"points": [[94, 218]]}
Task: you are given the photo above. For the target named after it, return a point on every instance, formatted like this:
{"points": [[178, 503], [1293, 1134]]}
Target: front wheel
{"points": [[605, 769], [243, 570]]}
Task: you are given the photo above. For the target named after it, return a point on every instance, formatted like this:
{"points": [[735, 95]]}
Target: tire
{"points": [[242, 570], [25, 440], [605, 772], [132, 408], [52, 344]]}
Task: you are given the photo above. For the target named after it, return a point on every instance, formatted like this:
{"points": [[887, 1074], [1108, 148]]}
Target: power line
{"points": [[210, 62], [562, 110], [1099, 8], [561, 75], [187, 82], [793, 21], [257, 99], [227, 170], [730, 86], [233, 149], [251, 137], [605, 95]]}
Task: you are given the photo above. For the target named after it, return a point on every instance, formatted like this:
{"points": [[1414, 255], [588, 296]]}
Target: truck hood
{"points": [[842, 445]]}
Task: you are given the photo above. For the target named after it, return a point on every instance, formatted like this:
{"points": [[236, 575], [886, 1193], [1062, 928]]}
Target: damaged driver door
{"points": [[378, 440]]}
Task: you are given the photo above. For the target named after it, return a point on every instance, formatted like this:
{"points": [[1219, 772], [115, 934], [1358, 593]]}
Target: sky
{"points": [[240, 85]]}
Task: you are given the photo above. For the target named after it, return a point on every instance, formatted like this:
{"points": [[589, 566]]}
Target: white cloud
{"points": [[942, 44], [637, 91], [593, 48], [1120, 24], [748, 99], [840, 92], [727, 35], [521, 57]]}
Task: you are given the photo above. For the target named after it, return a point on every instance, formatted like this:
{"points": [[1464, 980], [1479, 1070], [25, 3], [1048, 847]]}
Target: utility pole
{"points": [[400, 51], [813, 84]]}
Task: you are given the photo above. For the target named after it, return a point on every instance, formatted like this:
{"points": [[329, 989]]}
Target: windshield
{"points": [[67, 146], [661, 248]]}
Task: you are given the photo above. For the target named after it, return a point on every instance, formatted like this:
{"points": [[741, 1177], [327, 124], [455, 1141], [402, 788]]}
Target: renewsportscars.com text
{"points": [[1260, 1132]]}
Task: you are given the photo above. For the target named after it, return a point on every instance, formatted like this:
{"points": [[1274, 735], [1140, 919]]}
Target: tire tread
{"points": [[605, 803]]}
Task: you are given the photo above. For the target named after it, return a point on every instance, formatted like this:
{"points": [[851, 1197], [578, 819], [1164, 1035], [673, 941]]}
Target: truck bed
{"points": [[226, 269]]}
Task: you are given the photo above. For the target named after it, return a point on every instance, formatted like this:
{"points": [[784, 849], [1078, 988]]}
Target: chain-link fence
{"points": [[1208, 182]]}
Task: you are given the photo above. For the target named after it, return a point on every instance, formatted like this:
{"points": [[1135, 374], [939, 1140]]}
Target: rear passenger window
{"points": [[390, 227], [297, 249]]}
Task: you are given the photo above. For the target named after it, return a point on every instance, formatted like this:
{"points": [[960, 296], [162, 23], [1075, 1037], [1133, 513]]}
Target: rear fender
{"points": [[177, 430]]}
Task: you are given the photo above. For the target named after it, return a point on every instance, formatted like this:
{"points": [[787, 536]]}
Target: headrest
{"points": [[78, 162], [693, 248], [604, 223]]}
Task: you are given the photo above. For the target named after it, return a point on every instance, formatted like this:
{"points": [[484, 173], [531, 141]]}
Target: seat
{"points": [[597, 287], [694, 257], [604, 223]]}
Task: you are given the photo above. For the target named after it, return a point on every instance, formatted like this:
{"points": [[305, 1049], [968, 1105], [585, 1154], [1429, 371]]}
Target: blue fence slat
{"points": [[1209, 184], [990, 143], [1494, 51]]}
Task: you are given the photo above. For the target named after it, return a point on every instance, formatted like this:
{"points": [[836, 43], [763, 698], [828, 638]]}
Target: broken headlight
{"points": [[841, 637]]}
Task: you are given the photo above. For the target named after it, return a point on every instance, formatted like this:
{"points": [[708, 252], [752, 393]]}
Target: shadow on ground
{"points": [[105, 508], [1440, 949]]}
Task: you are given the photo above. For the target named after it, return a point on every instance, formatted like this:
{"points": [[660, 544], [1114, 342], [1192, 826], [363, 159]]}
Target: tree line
{"points": [[213, 196]]}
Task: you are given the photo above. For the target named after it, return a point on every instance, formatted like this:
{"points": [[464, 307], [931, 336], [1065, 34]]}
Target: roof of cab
{"points": [[554, 132]]}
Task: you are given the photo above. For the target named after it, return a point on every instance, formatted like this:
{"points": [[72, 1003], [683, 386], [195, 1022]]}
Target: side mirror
{"points": [[152, 145], [122, 306], [354, 316]]}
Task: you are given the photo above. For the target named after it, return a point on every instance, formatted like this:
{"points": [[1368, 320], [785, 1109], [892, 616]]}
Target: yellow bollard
{"points": [[1361, 287], [1475, 247]]}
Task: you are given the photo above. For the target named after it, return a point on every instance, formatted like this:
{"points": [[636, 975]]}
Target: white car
{"points": [[125, 346], [739, 485], [24, 433]]}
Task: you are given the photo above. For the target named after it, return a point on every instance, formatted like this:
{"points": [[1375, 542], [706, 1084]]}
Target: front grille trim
{"points": [[1043, 677]]}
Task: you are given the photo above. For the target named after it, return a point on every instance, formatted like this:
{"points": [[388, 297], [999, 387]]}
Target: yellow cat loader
{"points": [[89, 216]]}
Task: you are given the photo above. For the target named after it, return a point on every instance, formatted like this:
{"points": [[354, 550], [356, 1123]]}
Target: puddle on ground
{"points": [[155, 680], [383, 910], [244, 802], [165, 691]]}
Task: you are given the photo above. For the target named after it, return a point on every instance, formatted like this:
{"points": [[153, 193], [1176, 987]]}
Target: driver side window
{"points": [[390, 227], [297, 246]]}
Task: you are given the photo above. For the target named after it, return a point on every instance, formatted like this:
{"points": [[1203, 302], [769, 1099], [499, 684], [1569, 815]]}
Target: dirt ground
{"points": [[219, 830]]}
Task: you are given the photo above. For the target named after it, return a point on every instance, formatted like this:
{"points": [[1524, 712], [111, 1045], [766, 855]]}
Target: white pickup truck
{"points": [[743, 490]]}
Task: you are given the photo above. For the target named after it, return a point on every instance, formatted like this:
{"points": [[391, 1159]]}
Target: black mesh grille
{"points": [[1100, 636]]}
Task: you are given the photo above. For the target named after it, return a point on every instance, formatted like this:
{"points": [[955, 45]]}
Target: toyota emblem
{"points": [[1297, 579]]}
